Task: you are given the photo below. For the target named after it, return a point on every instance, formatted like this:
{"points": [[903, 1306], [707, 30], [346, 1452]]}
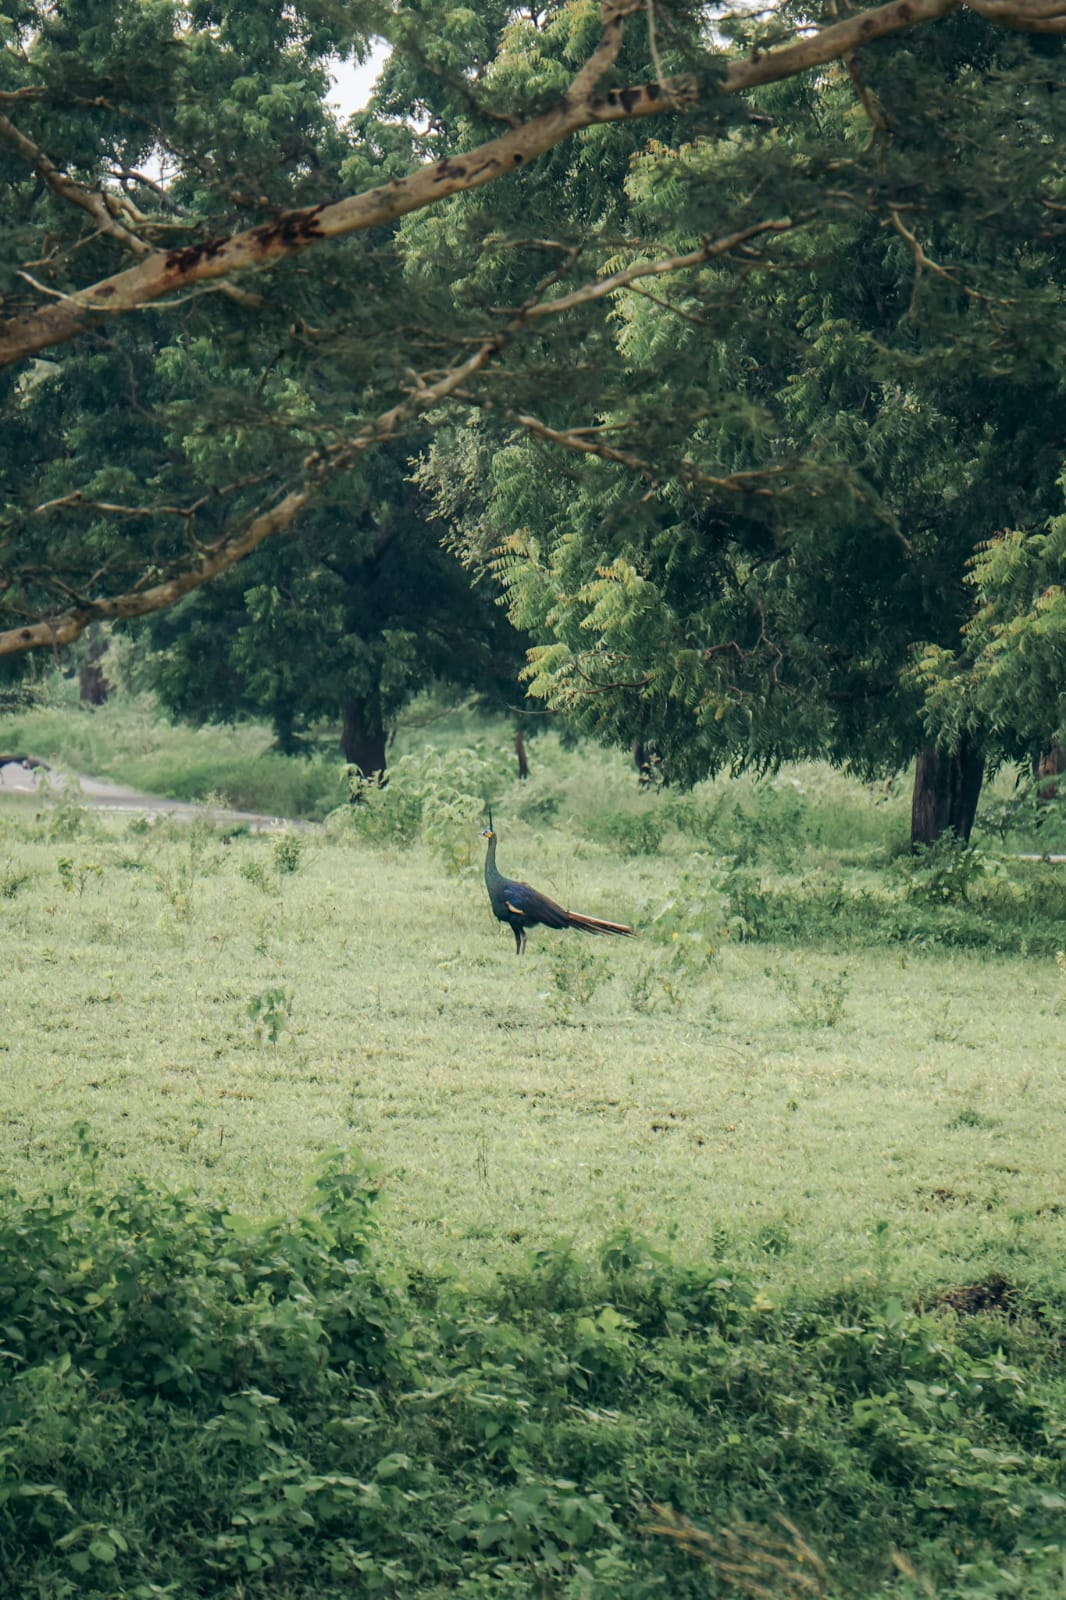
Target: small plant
{"points": [[74, 875], [1060, 963], [255, 873], [67, 811], [969, 1118], [12, 880], [816, 1002], [942, 873], [269, 1012], [660, 982], [177, 880], [287, 851], [576, 974]]}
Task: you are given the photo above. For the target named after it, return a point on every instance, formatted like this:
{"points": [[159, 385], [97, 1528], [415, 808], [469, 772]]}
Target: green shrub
{"points": [[943, 873], [438, 798], [196, 1404], [287, 851], [628, 833]]}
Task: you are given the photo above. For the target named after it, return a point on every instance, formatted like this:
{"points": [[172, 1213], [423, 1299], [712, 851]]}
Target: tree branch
{"points": [[162, 273], [228, 551], [636, 270], [90, 200], [1030, 16]]}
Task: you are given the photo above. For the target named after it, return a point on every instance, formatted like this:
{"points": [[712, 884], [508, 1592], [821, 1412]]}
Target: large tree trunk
{"points": [[363, 739], [946, 789]]}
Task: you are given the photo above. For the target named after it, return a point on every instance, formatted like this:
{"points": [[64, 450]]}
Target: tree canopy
{"points": [[739, 333]]}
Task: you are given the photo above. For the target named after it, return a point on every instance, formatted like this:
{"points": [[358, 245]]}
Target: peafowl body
{"points": [[522, 906]]}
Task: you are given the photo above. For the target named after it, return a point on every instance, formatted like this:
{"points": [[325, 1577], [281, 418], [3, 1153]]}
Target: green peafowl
{"points": [[522, 906]]}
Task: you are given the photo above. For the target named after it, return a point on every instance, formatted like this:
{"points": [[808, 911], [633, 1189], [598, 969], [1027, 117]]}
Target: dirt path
{"points": [[40, 781]]}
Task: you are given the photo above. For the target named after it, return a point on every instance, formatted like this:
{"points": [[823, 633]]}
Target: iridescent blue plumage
{"points": [[521, 906]]}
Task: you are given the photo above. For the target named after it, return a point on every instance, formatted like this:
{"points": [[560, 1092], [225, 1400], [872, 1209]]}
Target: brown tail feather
{"points": [[574, 919]]}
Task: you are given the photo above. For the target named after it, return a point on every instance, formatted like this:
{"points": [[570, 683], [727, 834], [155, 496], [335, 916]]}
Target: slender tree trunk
{"points": [[363, 739], [646, 759], [1049, 763], [946, 790], [520, 754], [93, 687], [284, 720]]}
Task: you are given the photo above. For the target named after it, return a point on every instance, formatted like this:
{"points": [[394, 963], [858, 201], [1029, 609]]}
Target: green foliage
{"points": [[440, 798], [180, 871], [287, 851], [803, 449], [68, 816], [12, 879], [314, 1422], [815, 1001], [256, 873], [269, 1012], [74, 875], [576, 973], [628, 833], [943, 873]]}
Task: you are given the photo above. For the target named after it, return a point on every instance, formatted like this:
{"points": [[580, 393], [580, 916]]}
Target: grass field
{"points": [[834, 1104], [823, 1070]]}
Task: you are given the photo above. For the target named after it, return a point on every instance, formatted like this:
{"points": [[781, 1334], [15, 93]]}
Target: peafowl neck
{"points": [[492, 872]]}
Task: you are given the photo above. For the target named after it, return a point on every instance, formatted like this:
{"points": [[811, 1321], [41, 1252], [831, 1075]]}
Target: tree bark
{"points": [[363, 739], [1049, 763], [93, 687], [946, 790], [520, 753]]}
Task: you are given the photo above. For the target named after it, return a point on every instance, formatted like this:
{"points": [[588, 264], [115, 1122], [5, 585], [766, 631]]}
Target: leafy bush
{"points": [[439, 798], [943, 873], [192, 1403], [628, 833], [287, 851], [576, 973]]}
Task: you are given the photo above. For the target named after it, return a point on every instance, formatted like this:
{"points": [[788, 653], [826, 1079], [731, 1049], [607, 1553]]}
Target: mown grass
{"points": [[760, 1213], [218, 1019]]}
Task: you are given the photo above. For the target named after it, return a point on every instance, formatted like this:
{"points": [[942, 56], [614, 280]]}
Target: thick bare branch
{"points": [[163, 273], [829, 44]]}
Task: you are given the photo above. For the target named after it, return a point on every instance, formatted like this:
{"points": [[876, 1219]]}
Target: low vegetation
{"points": [[197, 1405], [754, 1218]]}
